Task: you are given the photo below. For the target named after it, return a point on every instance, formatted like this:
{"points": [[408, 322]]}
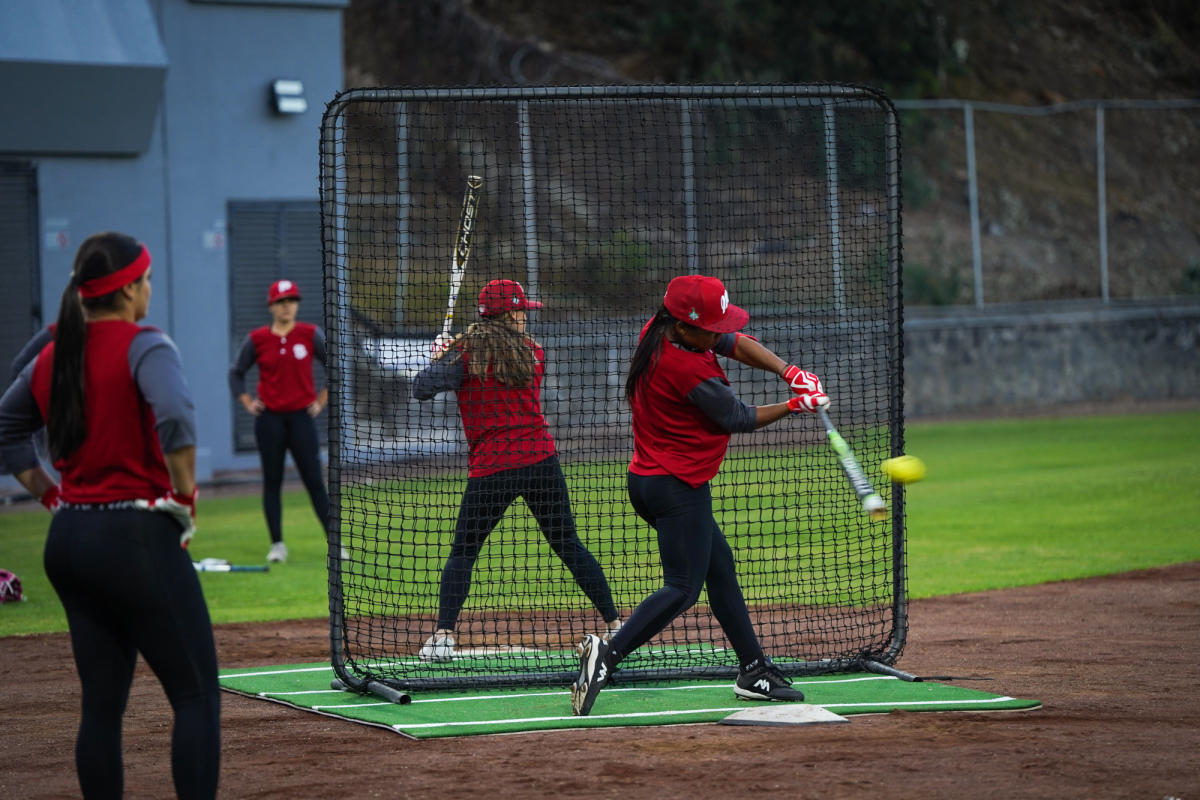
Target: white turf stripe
{"points": [[527, 720], [297, 671], [470, 698], [562, 718], [920, 703], [224, 675]]}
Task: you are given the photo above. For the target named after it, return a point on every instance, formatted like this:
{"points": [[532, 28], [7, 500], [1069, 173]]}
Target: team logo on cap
{"points": [[724, 301], [694, 315], [285, 285]]}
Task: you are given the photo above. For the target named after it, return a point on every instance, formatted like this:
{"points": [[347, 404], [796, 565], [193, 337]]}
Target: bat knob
{"points": [[875, 507]]}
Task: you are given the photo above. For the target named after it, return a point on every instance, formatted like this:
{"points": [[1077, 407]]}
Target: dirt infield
{"points": [[1115, 661]]}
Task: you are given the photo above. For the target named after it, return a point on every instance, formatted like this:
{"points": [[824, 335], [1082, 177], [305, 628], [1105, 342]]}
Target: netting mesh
{"points": [[594, 199]]}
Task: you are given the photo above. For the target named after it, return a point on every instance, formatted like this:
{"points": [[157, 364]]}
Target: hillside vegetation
{"points": [[1037, 175]]}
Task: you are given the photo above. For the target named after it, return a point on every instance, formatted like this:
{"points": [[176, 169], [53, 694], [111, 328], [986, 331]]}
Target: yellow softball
{"points": [[904, 469]]}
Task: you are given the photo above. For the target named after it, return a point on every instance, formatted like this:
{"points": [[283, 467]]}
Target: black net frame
{"points": [[593, 198]]}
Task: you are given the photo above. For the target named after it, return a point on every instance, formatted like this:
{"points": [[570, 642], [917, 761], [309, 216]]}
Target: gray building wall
{"points": [[215, 138]]}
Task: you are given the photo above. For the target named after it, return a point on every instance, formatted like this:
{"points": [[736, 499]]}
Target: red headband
{"points": [[98, 287]]}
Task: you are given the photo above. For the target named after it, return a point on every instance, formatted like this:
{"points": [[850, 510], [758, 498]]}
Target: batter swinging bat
{"points": [[872, 503], [458, 259]]}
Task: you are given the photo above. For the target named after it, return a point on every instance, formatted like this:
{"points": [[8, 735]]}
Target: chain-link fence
{"points": [[1096, 199]]}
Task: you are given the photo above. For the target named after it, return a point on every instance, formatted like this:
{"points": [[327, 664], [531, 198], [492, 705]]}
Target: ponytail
{"points": [[645, 357], [99, 255]]}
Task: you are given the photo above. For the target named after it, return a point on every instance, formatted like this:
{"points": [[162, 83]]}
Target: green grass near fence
{"points": [[1006, 503]]}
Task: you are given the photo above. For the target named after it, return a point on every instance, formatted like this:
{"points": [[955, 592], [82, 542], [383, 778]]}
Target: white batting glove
{"points": [[181, 508], [440, 345], [802, 382]]}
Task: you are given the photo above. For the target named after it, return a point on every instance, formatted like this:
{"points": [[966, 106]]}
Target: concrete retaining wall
{"points": [[970, 361]]}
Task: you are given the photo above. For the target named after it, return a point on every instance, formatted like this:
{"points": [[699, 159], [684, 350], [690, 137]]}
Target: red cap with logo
{"points": [[282, 290], [702, 301], [504, 295]]}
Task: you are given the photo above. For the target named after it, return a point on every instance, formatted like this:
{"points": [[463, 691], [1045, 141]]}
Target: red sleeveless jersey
{"points": [[285, 368], [671, 436], [504, 425], [120, 459]]}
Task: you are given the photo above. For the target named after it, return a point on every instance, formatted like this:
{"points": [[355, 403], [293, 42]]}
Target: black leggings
{"points": [[484, 503], [128, 587], [276, 434], [694, 554]]}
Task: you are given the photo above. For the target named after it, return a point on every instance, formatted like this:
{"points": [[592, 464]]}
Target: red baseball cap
{"points": [[282, 290], [503, 295], [704, 302]]}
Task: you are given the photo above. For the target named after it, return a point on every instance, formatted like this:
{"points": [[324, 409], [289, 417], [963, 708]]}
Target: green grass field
{"points": [[1006, 503]]}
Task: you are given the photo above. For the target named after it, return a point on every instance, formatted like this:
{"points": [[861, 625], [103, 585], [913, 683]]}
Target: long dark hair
{"points": [[495, 342], [99, 255], [645, 357]]}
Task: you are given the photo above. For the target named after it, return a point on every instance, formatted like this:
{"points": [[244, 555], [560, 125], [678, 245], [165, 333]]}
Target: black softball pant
{"points": [[694, 553], [484, 503], [276, 434], [128, 588]]}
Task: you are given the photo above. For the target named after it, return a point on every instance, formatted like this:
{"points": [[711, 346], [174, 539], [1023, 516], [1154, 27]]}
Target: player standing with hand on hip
{"points": [[284, 406], [122, 433], [496, 370], [683, 414]]}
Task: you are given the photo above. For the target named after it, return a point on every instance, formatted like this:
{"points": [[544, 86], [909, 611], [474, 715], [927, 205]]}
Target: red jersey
{"points": [[285, 368], [120, 459], [671, 435], [504, 425]]}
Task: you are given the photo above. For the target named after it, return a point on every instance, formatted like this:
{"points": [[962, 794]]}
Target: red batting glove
{"points": [[802, 382], [52, 499], [181, 507], [811, 402]]}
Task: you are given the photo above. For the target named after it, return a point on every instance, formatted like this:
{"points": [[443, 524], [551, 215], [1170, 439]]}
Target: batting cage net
{"points": [[446, 473]]}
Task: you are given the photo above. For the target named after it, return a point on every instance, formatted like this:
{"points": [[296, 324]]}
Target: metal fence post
{"points": [[687, 145], [528, 198], [973, 198], [1101, 203]]}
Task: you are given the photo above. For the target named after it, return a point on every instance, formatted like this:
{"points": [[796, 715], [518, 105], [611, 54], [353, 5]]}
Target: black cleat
{"points": [[593, 674], [764, 681]]}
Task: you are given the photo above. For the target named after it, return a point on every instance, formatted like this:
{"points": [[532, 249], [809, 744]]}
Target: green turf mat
{"points": [[435, 714]]}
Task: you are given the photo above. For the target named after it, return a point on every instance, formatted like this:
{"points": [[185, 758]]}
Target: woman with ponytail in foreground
{"points": [[122, 433]]}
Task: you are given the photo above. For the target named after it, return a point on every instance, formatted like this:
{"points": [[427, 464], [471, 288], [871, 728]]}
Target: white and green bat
{"points": [[221, 565], [872, 503]]}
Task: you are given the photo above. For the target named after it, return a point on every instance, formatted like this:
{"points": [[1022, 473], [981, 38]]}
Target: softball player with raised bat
{"points": [[121, 428], [683, 414], [284, 405], [496, 370]]}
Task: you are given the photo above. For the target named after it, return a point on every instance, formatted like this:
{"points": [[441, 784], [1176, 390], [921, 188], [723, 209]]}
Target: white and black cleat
{"points": [[593, 674], [762, 680]]}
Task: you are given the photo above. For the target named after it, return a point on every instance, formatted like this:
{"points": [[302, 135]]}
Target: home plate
{"points": [[789, 714]]}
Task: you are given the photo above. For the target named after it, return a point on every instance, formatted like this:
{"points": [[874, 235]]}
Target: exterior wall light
{"points": [[287, 97]]}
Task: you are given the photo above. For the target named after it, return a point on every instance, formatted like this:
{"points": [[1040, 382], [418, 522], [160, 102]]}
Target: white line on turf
{"points": [[527, 720], [522, 695]]}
